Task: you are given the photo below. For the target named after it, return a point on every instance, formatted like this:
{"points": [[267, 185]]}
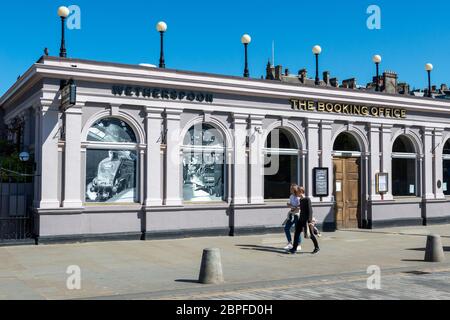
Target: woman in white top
{"points": [[293, 216]]}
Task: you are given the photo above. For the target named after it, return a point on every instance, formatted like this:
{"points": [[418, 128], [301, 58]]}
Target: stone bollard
{"points": [[211, 269], [434, 251]]}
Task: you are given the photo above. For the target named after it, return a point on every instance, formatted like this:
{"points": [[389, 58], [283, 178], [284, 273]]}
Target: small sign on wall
{"points": [[382, 185], [320, 183]]}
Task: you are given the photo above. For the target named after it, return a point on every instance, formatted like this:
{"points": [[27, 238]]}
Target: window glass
{"points": [[281, 164], [111, 130], [204, 164], [447, 147], [346, 142], [446, 183], [403, 145], [277, 186], [404, 177], [111, 176]]}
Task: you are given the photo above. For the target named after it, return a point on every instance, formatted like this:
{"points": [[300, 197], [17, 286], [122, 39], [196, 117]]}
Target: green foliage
{"points": [[12, 168]]}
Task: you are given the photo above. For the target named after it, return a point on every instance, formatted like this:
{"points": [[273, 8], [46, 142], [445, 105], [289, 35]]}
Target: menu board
{"points": [[382, 183], [320, 183]]}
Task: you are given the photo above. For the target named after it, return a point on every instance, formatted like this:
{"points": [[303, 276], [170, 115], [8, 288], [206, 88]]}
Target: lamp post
{"points": [[161, 27], [63, 13], [246, 39], [377, 59], [317, 50], [429, 68]]}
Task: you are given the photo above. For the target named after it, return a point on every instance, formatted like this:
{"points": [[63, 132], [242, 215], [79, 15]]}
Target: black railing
{"points": [[16, 200]]}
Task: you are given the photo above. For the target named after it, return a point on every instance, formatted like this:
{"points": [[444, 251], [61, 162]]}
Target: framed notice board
{"points": [[321, 182], [382, 185]]}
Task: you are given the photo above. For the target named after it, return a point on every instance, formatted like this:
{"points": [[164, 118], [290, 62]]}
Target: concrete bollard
{"points": [[211, 269], [434, 251]]}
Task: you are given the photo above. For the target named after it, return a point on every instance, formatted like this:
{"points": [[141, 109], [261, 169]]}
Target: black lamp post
{"points": [[63, 13], [161, 27], [377, 59], [429, 68], [317, 50], [246, 39]]}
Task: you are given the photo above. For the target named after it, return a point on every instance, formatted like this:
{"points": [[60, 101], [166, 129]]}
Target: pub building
{"points": [[134, 151]]}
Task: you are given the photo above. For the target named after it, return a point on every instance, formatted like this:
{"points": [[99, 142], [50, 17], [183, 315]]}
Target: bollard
{"points": [[211, 268], [434, 251]]}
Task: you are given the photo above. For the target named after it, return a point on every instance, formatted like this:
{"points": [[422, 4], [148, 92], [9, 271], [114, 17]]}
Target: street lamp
{"points": [[429, 68], [63, 13], [377, 59], [246, 39], [317, 50], [161, 27]]}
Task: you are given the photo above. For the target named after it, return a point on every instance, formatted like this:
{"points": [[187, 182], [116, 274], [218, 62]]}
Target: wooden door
{"points": [[347, 192]]}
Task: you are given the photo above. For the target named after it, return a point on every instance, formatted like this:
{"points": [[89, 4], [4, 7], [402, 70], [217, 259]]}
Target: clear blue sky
{"points": [[205, 35]]}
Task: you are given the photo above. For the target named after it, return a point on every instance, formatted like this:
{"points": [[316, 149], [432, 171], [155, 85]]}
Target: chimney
{"points": [[433, 88], [278, 72], [444, 87], [286, 72], [349, 83], [303, 74], [270, 72], [334, 82], [326, 78], [390, 82], [403, 88]]}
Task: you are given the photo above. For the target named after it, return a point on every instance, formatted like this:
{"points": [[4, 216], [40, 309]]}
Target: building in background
{"points": [[147, 152]]}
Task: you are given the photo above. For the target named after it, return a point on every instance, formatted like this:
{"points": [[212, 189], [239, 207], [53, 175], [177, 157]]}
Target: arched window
{"points": [[446, 167], [111, 163], [404, 168], [346, 142], [204, 164], [281, 164]]}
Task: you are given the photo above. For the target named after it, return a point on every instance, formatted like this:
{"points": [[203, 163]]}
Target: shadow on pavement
{"points": [[263, 248], [187, 281], [447, 249], [412, 260]]}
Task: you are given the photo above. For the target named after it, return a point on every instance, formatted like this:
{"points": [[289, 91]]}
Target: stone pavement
{"points": [[169, 268]]}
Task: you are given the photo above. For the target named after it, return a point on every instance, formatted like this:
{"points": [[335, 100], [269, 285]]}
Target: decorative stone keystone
{"points": [[434, 251], [211, 268]]}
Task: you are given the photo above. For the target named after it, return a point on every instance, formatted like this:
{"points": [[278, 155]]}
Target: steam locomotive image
{"points": [[115, 176]]}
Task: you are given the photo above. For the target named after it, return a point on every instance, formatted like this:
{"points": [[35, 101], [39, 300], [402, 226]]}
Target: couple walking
{"points": [[301, 215]]}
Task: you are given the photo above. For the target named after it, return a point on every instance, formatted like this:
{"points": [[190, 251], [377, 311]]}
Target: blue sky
{"points": [[205, 35]]}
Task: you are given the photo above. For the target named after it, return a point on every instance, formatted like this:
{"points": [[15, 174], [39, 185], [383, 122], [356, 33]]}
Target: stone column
{"points": [[72, 157], [256, 159], [374, 160], [153, 165], [386, 157], [326, 154], [240, 181], [438, 162], [173, 163], [47, 137], [312, 137], [427, 166]]}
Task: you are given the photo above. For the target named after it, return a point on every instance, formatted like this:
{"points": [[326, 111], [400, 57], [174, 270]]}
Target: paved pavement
{"points": [[169, 268]]}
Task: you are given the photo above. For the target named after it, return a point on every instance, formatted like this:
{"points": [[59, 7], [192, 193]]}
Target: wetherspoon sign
{"points": [[346, 108]]}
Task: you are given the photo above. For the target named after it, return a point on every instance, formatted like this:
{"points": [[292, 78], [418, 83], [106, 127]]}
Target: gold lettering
{"points": [[338, 108], [329, 107], [294, 104], [397, 113], [345, 108], [321, 107], [302, 105], [388, 112], [357, 110], [311, 105], [403, 114], [374, 111], [381, 112], [365, 111]]}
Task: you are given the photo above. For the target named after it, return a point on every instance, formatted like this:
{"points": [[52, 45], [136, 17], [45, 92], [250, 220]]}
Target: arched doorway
{"points": [[347, 186]]}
